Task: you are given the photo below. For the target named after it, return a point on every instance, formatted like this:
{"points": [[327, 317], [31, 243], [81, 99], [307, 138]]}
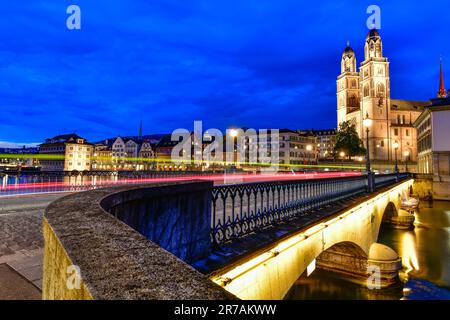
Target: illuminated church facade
{"points": [[366, 93]]}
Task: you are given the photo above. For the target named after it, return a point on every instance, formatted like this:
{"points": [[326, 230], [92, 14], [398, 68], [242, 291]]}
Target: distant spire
{"points": [[348, 43], [441, 93], [140, 130]]}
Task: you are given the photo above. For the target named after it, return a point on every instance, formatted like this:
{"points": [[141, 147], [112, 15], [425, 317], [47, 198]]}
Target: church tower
{"points": [[375, 96], [347, 86], [442, 93]]}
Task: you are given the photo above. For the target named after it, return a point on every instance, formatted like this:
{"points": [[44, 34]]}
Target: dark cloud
{"points": [[256, 63]]}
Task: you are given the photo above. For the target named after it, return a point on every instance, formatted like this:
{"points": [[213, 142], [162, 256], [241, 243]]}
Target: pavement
{"points": [[21, 245]]}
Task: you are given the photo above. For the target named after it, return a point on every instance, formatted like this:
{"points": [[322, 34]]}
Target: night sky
{"points": [[246, 63]]}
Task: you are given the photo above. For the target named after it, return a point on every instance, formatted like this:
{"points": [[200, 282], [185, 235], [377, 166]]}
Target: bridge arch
{"points": [[345, 258], [348, 248], [390, 212]]}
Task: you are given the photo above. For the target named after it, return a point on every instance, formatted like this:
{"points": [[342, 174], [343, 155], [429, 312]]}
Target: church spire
{"points": [[441, 93]]}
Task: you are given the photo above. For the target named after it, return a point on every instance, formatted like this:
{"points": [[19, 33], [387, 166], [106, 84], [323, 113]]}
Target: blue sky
{"points": [[253, 63]]}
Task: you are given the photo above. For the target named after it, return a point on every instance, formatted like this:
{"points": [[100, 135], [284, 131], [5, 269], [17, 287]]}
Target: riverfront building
{"points": [[67, 152]]}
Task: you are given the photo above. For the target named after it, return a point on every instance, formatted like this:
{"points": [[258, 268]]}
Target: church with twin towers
{"points": [[366, 93]]}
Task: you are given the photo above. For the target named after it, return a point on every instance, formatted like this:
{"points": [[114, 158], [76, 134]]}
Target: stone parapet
{"points": [[115, 261]]}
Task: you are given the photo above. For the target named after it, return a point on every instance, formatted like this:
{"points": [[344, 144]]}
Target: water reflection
{"points": [[425, 253], [407, 250]]}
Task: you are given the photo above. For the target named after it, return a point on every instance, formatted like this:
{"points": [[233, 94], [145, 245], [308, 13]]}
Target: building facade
{"points": [[68, 152], [366, 93], [325, 139], [433, 139], [296, 148], [102, 159]]}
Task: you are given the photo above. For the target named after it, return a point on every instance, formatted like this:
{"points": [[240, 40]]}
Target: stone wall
{"points": [[437, 185], [57, 271], [114, 260], [178, 217], [423, 184]]}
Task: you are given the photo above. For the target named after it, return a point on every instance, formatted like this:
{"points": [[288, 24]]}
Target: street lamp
{"points": [[395, 145], [367, 122], [233, 134], [406, 155], [309, 148], [342, 155]]}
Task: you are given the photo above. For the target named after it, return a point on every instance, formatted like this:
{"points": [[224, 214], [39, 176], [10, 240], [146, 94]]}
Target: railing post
{"points": [[370, 181]]}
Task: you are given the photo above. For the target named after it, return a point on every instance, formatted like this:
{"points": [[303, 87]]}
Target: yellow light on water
{"points": [[408, 252]]}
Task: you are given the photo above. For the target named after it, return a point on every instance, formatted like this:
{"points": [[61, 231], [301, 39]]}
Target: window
{"points": [[380, 90], [352, 101], [366, 90], [382, 143], [395, 132], [407, 132], [404, 119]]}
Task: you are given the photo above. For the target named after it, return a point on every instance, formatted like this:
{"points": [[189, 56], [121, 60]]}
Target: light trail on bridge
{"points": [[217, 179], [200, 162]]}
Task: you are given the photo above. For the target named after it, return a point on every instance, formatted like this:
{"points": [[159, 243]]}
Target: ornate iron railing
{"points": [[238, 210], [387, 179]]}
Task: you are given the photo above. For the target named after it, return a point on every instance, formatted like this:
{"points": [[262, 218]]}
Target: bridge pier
{"points": [[381, 267], [403, 220]]}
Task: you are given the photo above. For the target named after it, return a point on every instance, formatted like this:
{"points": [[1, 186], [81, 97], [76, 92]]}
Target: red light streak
{"points": [[218, 179]]}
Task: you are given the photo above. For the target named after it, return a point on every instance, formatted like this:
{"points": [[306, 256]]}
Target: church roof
{"points": [[348, 50], [373, 33], [408, 105]]}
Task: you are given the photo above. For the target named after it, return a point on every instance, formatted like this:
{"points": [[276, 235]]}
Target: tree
{"points": [[348, 141]]}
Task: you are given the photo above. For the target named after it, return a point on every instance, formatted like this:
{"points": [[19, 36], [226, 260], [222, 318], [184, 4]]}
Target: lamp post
{"points": [[395, 145], [309, 148], [234, 133], [367, 122], [342, 155], [406, 154]]}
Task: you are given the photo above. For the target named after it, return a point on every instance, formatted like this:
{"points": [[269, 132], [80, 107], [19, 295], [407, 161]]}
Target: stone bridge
{"points": [[141, 242], [350, 234]]}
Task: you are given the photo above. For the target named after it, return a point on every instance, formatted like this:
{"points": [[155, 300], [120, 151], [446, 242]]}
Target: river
{"points": [[425, 253]]}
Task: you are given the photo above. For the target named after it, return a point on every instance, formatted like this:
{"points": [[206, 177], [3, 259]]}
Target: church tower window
{"points": [[366, 90], [380, 90]]}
